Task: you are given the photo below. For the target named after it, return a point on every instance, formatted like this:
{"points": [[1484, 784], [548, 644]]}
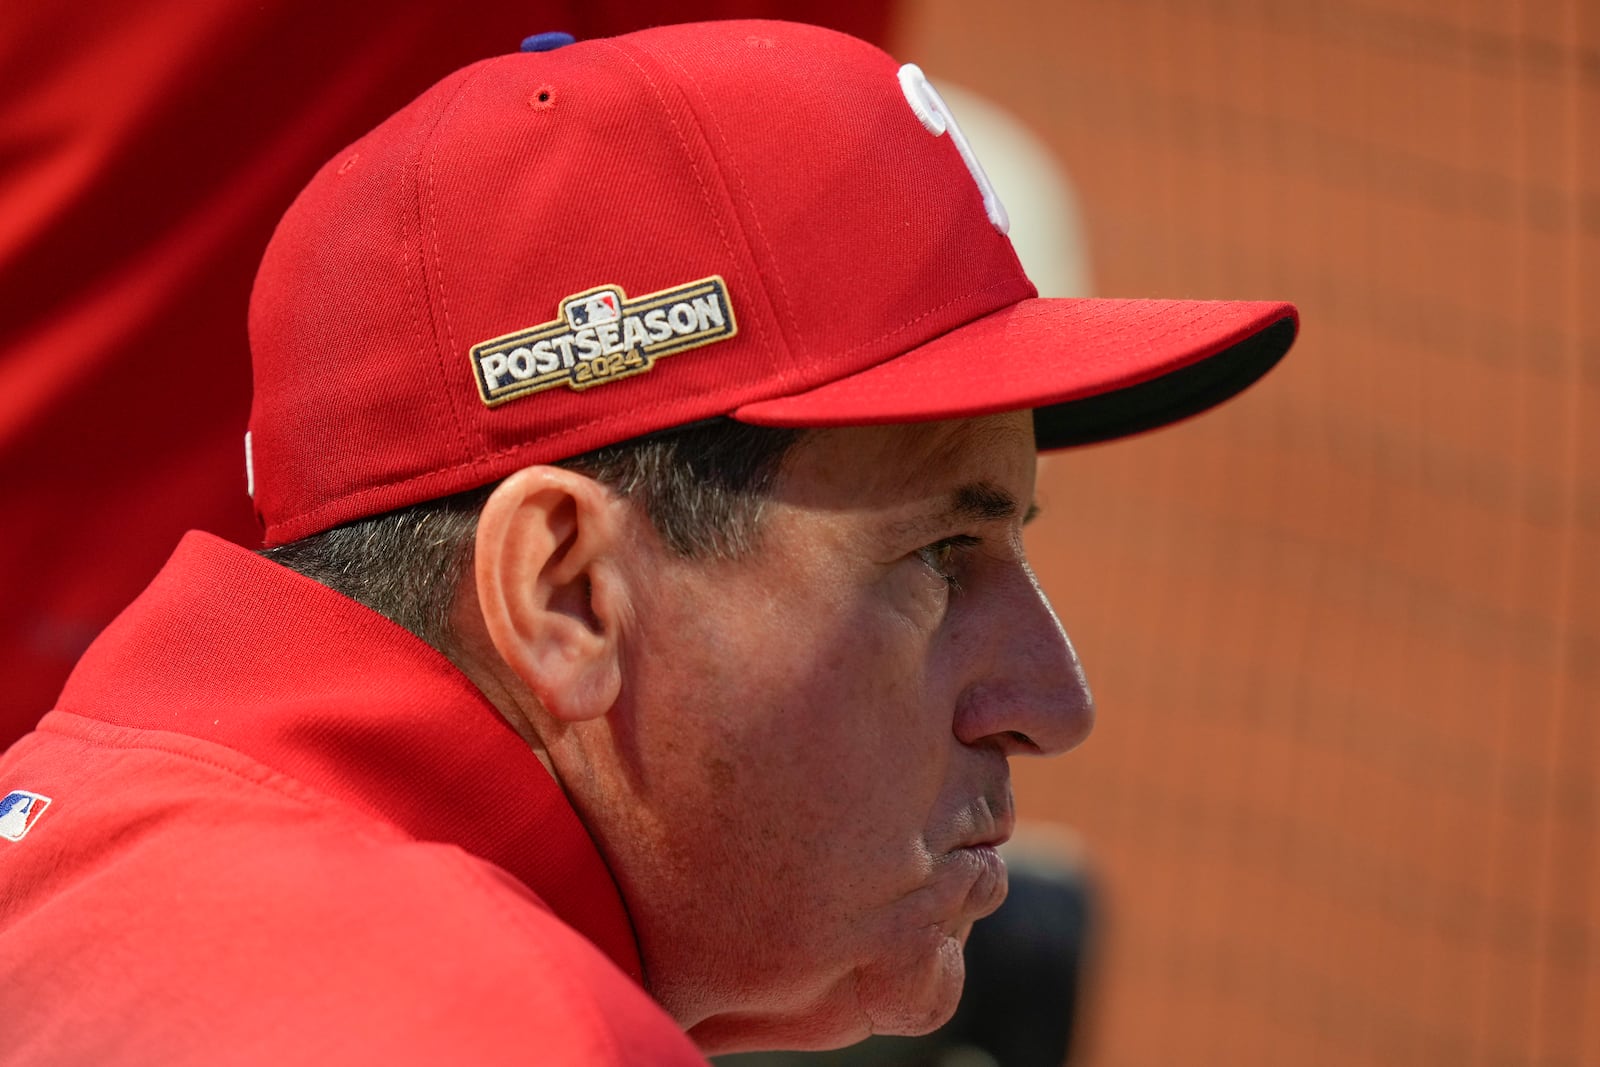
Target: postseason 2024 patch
{"points": [[603, 336]]}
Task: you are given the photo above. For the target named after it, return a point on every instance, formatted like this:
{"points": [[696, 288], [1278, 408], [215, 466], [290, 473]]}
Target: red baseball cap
{"points": [[568, 247]]}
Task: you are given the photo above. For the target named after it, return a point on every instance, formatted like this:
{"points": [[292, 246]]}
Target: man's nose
{"points": [[1033, 698]]}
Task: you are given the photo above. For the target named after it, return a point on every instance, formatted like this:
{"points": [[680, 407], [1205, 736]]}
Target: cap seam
{"points": [[904, 326], [413, 298], [726, 162], [705, 192], [428, 232]]}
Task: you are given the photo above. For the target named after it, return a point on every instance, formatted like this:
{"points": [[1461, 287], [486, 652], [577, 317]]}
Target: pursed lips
{"points": [[993, 821]]}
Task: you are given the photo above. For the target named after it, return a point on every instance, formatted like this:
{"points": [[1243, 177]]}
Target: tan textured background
{"points": [[1345, 632]]}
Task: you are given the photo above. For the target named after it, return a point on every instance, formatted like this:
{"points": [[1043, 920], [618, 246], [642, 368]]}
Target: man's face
{"points": [[814, 737]]}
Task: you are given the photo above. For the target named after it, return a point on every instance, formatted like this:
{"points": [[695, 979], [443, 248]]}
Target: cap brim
{"points": [[1090, 369]]}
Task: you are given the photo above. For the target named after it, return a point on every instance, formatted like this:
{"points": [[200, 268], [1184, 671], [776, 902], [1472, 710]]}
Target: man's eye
{"points": [[941, 556]]}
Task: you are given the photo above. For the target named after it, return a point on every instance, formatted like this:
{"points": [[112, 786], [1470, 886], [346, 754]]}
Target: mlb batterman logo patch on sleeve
{"points": [[602, 336], [19, 810]]}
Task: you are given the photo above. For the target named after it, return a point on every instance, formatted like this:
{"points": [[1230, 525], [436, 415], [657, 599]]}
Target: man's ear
{"points": [[549, 590]]}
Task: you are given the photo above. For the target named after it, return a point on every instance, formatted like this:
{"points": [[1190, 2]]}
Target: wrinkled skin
{"points": [[804, 772], [796, 762]]}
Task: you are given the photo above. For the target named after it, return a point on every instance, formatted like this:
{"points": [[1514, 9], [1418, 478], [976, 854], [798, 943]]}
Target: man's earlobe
{"points": [[546, 587]]}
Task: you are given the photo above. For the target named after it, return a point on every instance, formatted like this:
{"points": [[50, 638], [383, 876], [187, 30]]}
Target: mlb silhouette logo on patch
{"points": [[593, 310], [19, 811]]}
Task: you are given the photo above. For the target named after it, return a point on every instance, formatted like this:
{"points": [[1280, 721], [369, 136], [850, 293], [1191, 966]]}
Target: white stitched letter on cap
{"points": [[249, 468], [935, 116]]}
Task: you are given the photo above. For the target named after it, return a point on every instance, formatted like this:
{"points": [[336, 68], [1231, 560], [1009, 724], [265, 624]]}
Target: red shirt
{"points": [[277, 828]]}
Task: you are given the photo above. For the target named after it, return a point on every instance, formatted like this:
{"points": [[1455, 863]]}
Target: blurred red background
{"points": [[1345, 632]]}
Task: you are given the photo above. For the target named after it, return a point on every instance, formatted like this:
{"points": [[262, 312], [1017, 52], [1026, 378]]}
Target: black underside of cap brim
{"points": [[1169, 398]]}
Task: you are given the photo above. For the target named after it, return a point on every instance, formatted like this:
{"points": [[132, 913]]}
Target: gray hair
{"points": [[703, 487]]}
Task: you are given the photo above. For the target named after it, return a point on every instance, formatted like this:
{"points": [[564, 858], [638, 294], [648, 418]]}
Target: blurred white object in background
{"points": [[1045, 224]]}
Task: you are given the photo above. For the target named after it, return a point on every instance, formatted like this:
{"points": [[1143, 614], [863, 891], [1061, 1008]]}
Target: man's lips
{"points": [[1000, 836], [995, 824], [989, 881]]}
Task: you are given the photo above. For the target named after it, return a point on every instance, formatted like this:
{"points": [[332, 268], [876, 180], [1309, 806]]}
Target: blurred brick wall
{"points": [[1345, 632]]}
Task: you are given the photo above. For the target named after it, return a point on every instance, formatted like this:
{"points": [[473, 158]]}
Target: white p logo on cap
{"points": [[935, 116]]}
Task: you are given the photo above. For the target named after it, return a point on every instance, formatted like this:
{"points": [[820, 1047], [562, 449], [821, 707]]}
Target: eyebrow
{"points": [[973, 502], [982, 501], [986, 502]]}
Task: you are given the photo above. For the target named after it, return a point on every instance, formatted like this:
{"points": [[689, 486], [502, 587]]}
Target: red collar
{"points": [[231, 648]]}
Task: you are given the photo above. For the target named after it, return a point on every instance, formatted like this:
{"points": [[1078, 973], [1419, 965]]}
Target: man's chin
{"points": [[899, 996], [915, 1001]]}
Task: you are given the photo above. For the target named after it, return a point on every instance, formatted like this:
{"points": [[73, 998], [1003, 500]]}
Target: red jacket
{"points": [[265, 825]]}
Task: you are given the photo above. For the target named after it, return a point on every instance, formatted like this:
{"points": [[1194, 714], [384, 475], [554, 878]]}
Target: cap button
{"points": [[547, 42]]}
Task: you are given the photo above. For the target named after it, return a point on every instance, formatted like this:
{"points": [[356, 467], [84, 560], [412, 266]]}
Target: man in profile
{"points": [[643, 435]]}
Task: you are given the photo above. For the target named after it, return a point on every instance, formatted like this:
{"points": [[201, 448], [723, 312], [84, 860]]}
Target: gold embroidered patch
{"points": [[602, 336]]}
